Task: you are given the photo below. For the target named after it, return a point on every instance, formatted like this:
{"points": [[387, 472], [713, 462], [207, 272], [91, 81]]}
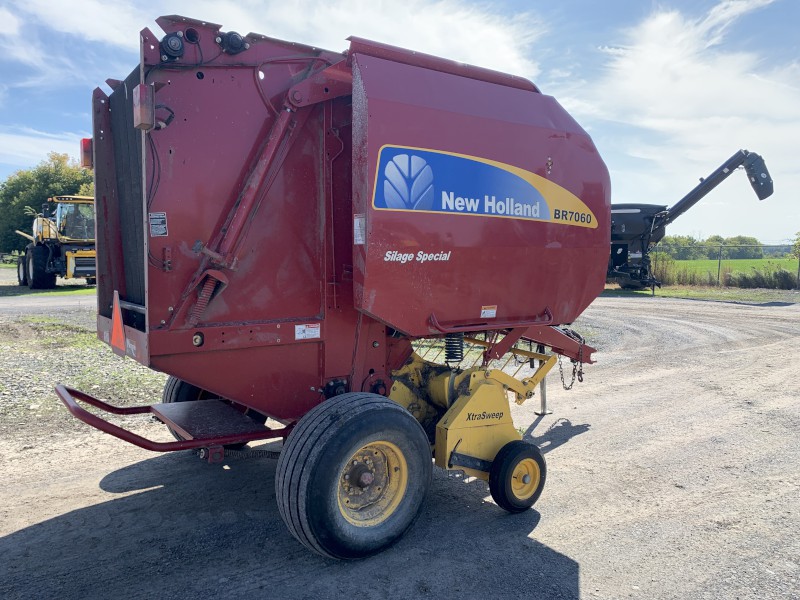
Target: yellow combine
{"points": [[62, 244]]}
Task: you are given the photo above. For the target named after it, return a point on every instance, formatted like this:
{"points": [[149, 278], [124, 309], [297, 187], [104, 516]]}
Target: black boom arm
{"points": [[757, 173]]}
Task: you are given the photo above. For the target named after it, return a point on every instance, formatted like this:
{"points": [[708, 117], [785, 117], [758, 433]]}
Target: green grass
{"points": [[720, 294], [54, 332], [738, 265], [75, 289]]}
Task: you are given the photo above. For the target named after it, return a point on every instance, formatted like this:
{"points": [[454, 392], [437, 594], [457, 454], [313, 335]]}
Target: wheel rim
{"points": [[372, 484], [525, 478]]}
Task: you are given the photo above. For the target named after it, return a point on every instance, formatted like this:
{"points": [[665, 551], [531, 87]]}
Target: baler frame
{"points": [[186, 423], [290, 271]]}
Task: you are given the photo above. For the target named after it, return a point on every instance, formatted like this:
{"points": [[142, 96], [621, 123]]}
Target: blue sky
{"points": [[668, 90]]}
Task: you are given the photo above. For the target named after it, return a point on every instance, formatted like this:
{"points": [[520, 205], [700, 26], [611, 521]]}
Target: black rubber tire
{"points": [[312, 465], [22, 270], [501, 475], [38, 277], [178, 390]]}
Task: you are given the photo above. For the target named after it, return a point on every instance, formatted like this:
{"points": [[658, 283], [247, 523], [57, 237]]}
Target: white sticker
{"points": [[359, 229], [306, 332], [489, 312], [158, 224]]}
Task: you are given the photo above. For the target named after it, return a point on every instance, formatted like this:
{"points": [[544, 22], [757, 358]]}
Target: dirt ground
{"points": [[673, 472]]}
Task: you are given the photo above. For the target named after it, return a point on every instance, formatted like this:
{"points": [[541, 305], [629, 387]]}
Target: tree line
{"points": [[685, 247], [57, 176]]}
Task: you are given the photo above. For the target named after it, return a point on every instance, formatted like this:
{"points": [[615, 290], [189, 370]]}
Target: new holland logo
{"points": [[408, 183], [462, 185], [470, 185]]}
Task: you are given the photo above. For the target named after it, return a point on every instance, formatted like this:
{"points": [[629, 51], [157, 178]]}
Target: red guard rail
{"points": [[70, 398]]}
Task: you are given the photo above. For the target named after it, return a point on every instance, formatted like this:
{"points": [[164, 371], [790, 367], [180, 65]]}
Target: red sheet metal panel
{"points": [[477, 201]]}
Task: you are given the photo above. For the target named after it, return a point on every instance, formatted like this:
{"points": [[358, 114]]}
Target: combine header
{"points": [[280, 228]]}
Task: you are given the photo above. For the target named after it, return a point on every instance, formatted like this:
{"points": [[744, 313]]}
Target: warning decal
{"points": [[158, 224], [306, 332], [489, 312], [359, 230]]}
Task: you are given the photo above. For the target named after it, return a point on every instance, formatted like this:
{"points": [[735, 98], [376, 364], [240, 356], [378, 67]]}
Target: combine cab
{"points": [[62, 244], [346, 244]]}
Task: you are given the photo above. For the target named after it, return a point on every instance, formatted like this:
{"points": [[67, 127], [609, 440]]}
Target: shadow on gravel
{"points": [[188, 529], [767, 303], [743, 302], [558, 434]]}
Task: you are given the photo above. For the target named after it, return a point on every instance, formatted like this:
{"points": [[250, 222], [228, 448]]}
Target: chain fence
{"points": [[745, 266]]}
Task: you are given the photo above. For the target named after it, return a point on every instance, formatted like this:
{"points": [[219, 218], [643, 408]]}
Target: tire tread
{"points": [[301, 453], [500, 471]]}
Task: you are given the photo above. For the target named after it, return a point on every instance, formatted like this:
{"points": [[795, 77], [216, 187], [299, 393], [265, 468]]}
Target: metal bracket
{"points": [[468, 462], [333, 82], [546, 318], [542, 387], [213, 454]]}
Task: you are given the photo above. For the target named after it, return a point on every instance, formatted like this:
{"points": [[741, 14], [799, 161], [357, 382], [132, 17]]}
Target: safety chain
{"points": [[577, 365]]}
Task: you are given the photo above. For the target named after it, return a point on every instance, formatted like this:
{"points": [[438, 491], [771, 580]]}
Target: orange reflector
{"points": [[144, 113], [87, 158], [117, 330]]}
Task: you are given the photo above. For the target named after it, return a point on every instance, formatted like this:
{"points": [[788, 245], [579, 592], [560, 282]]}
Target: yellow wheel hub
{"points": [[525, 479], [372, 484]]}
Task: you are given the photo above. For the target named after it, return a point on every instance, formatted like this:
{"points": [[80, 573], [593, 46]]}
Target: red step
{"points": [[205, 419]]}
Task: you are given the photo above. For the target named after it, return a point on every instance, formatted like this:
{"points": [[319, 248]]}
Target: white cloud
{"points": [[9, 23], [455, 29], [20, 47], [677, 98], [115, 23], [474, 34], [22, 147]]}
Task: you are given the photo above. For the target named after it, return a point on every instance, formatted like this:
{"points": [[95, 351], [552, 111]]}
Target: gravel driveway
{"points": [[673, 472]]}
